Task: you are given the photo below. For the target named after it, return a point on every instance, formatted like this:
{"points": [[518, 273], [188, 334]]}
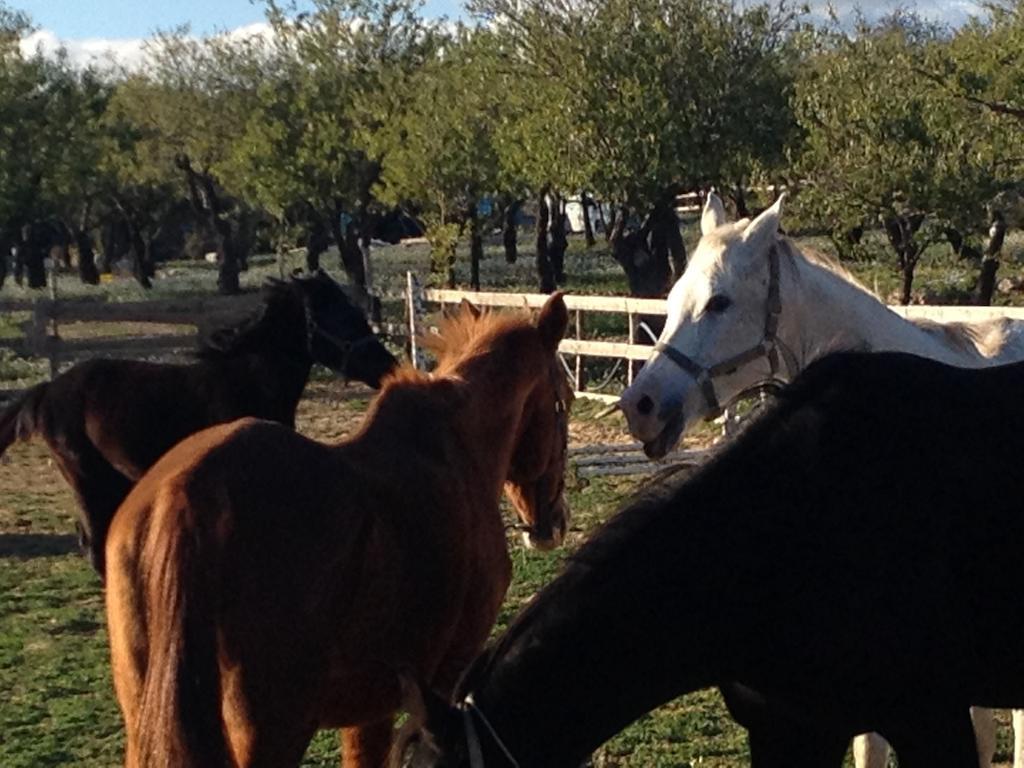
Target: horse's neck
{"points": [[822, 312], [471, 430], [552, 700], [274, 377]]}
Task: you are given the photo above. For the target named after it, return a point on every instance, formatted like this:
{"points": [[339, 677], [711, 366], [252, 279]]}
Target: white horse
{"points": [[750, 309]]}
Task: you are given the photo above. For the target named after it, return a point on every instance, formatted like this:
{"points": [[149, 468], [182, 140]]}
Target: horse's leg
{"points": [[100, 493], [367, 745], [99, 487], [935, 740], [789, 746], [870, 751], [984, 721]]}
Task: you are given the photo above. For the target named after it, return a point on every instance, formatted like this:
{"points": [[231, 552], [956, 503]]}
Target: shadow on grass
{"points": [[25, 546]]}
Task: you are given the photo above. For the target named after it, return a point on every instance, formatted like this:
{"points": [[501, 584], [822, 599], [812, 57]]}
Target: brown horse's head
{"points": [[522, 358], [536, 476]]}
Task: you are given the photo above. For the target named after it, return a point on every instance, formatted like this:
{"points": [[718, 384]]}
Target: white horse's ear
{"points": [[714, 214], [761, 232]]}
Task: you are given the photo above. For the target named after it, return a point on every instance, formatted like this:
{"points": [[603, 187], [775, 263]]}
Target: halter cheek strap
{"points": [[476, 752], [770, 346]]}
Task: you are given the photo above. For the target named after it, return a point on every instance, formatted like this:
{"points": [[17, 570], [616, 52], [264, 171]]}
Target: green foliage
{"points": [[334, 79], [440, 150], [884, 145], [634, 99]]}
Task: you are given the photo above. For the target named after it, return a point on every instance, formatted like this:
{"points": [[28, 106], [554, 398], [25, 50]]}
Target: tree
{"points": [[441, 156], [188, 110], [884, 145], [639, 101], [312, 145], [983, 66]]}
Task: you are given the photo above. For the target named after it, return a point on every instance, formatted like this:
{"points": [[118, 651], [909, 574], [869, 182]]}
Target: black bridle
{"points": [[771, 347]]}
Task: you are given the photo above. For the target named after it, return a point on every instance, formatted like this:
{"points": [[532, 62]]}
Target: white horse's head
{"points": [[711, 347]]}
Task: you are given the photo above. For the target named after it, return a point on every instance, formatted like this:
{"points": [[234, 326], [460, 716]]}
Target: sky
{"points": [[90, 28]]}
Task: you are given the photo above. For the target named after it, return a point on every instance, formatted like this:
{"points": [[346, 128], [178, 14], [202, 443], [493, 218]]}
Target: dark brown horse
{"points": [[107, 421], [261, 585]]}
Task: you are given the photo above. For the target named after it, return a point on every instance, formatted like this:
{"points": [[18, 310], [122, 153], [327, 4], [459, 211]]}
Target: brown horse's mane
{"points": [[459, 338], [250, 334]]}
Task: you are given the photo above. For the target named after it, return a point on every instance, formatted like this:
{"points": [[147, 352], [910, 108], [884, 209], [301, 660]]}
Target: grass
{"points": [[58, 707]]}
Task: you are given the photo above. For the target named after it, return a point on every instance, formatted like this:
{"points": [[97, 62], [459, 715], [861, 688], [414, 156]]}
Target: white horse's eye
{"points": [[718, 303]]}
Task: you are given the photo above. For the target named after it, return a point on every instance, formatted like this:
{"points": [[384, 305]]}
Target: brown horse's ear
{"points": [[553, 320], [470, 308]]}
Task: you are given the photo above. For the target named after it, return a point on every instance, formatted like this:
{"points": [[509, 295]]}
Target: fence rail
{"points": [[42, 331], [633, 309]]}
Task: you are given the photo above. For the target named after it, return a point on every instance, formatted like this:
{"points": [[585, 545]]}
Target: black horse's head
{"points": [[338, 333]]}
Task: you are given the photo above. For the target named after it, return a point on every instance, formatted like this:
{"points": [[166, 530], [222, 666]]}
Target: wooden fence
{"points": [[627, 458], [43, 337], [634, 309]]}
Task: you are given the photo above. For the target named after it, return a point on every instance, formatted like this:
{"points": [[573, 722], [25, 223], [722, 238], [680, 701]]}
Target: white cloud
{"points": [[113, 52], [102, 52], [952, 13]]}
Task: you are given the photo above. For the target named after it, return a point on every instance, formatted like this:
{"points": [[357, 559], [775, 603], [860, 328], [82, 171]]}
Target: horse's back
{"points": [[910, 497]]}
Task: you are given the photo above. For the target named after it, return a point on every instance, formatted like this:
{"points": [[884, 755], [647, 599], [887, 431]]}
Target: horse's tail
{"points": [[20, 419], [179, 720]]}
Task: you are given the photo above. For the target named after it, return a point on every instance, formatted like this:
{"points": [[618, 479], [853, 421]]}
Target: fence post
{"points": [[580, 383], [53, 342], [414, 311], [632, 340]]}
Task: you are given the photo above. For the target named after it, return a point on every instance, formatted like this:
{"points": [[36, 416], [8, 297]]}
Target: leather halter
{"points": [[769, 347], [476, 752], [562, 435]]}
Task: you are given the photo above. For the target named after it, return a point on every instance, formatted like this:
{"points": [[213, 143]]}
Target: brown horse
{"points": [[262, 585], [107, 421]]}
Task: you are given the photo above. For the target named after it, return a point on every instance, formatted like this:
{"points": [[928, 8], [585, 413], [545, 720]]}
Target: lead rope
{"points": [[476, 753]]}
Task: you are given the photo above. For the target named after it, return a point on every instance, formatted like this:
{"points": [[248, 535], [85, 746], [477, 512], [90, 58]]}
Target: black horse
{"points": [[107, 421], [852, 563]]}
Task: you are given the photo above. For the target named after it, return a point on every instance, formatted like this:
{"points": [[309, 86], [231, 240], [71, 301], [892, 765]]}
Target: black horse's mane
{"points": [[250, 334]]}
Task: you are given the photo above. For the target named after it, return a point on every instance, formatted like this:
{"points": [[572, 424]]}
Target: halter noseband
{"points": [[476, 753], [769, 347]]}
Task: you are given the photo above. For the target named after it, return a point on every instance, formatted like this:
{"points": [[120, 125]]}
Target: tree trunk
{"points": [[907, 267], [901, 230], [990, 264], [509, 231], [545, 274], [647, 272], [140, 254], [476, 247], [739, 197], [347, 239], [36, 246], [588, 229], [6, 243], [86, 257], [558, 240], [207, 212], [317, 241], [665, 232]]}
